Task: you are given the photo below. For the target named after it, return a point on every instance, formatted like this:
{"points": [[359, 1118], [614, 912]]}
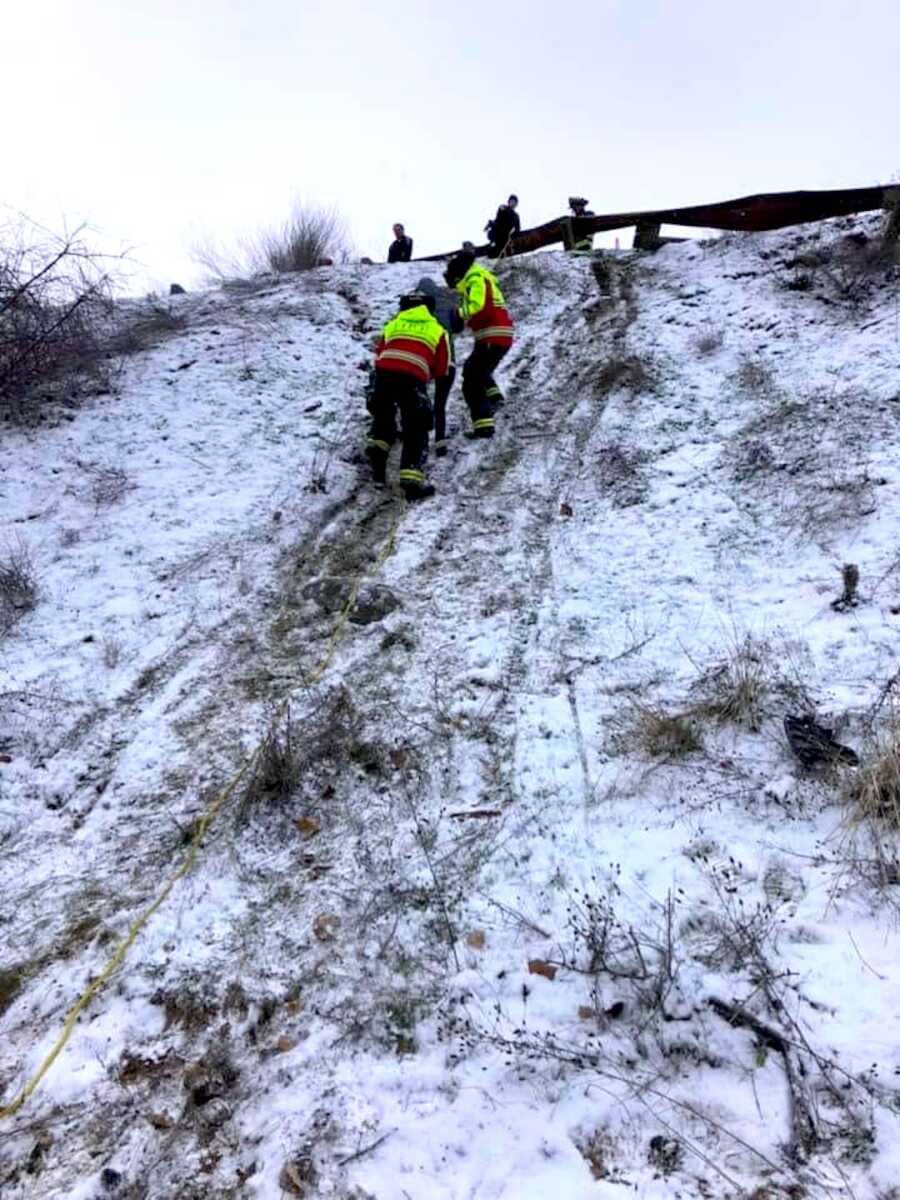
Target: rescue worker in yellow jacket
{"points": [[484, 311], [582, 243], [412, 350]]}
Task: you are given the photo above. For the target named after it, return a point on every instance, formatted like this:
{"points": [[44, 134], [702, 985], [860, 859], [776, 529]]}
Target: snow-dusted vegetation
{"points": [[524, 892]]}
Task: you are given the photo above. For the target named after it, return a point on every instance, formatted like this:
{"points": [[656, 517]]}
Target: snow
{"points": [[410, 1050]]}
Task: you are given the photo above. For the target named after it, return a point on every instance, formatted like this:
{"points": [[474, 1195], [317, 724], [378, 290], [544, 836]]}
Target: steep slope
{"points": [[531, 895]]}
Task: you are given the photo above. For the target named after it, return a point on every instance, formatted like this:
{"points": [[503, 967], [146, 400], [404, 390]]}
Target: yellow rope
{"points": [[202, 827]]}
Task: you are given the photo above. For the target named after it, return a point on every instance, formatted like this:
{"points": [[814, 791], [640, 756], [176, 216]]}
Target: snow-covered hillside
{"points": [[527, 895]]}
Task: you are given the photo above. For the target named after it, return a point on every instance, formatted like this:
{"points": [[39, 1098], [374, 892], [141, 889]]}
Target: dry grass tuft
{"points": [[278, 769], [708, 340], [753, 377], [734, 690], [659, 733], [870, 852], [309, 237], [874, 790]]}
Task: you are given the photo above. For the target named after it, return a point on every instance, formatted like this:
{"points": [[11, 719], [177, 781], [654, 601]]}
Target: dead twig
{"points": [[342, 1162]]}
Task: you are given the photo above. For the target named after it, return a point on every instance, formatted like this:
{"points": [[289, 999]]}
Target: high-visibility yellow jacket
{"points": [[414, 343], [483, 307]]}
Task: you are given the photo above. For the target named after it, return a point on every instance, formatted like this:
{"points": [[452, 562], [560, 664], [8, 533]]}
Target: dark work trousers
{"points": [[442, 388], [395, 390], [480, 390]]}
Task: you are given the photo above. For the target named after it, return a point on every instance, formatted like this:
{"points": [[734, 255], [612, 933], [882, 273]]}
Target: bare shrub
{"points": [[634, 374], [708, 340], [598, 1151], [276, 773], [111, 650], [144, 325], [604, 945], [619, 471], [108, 484], [857, 266], [753, 377], [846, 271], [302, 758], [808, 456], [753, 457], [18, 585], [849, 597], [308, 236], [55, 301], [317, 480], [846, 496], [828, 1103]]}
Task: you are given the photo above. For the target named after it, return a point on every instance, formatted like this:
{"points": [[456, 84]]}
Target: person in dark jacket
{"points": [[400, 249], [505, 226], [446, 311]]}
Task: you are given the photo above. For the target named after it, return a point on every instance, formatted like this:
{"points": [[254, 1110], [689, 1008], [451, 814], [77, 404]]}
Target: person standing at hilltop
{"points": [[400, 249], [505, 226]]}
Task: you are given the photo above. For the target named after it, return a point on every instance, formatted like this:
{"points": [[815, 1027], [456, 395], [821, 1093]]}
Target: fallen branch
{"points": [[804, 1130], [342, 1162]]}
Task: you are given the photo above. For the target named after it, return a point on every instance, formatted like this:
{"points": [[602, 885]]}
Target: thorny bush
{"points": [[18, 585], [55, 303]]}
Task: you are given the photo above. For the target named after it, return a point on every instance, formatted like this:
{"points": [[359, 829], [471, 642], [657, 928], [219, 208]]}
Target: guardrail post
{"points": [[890, 235], [646, 235]]}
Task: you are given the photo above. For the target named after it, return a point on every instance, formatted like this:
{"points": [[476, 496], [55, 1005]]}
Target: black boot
{"points": [[417, 491], [814, 745]]}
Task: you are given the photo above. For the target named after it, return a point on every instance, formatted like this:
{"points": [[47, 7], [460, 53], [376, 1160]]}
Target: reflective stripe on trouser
{"points": [[483, 423], [442, 388], [410, 476], [478, 380], [394, 392]]}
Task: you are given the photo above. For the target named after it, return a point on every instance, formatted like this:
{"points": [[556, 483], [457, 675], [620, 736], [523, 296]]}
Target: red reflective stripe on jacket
{"points": [[493, 320], [409, 356]]}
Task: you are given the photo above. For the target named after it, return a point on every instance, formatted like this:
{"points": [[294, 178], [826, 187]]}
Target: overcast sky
{"points": [[162, 120]]}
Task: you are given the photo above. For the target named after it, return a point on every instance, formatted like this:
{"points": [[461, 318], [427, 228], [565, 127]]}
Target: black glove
{"points": [[370, 391], [425, 408]]}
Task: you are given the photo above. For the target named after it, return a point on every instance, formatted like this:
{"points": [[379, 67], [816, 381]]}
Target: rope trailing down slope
{"points": [[201, 828]]}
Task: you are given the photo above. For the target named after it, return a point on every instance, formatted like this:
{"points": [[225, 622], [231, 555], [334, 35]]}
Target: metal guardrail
{"points": [[768, 210]]}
